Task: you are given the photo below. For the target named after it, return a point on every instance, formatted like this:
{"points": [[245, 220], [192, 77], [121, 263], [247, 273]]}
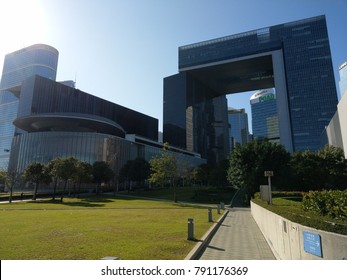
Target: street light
{"points": [[269, 174]]}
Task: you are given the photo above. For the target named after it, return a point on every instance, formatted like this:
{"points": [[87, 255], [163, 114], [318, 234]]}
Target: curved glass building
{"points": [[38, 59], [60, 121]]}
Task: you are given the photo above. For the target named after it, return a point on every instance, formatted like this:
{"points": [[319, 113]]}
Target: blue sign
{"points": [[312, 243]]}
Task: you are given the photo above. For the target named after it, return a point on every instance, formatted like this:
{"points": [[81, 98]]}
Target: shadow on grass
{"points": [[95, 201]]}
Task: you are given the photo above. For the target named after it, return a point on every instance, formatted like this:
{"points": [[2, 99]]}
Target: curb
{"points": [[206, 238]]}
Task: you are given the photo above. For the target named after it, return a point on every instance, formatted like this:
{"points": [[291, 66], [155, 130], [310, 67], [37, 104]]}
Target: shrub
{"points": [[332, 203]]}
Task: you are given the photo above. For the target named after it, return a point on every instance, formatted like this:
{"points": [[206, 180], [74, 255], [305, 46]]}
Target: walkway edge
{"points": [[206, 238]]}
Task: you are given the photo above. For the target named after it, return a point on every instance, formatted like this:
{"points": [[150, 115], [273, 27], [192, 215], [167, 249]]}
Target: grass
{"points": [[192, 194], [95, 227], [290, 207]]}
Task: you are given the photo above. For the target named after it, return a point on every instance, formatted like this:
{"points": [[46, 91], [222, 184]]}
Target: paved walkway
{"points": [[238, 238]]}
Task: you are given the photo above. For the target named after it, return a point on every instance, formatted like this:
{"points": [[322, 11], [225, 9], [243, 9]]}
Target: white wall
{"points": [[342, 111], [286, 238]]}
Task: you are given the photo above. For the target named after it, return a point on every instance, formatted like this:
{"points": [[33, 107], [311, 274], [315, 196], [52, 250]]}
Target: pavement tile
{"points": [[238, 238]]}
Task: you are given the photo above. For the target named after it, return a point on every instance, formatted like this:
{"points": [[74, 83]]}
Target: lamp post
{"points": [[269, 174]]}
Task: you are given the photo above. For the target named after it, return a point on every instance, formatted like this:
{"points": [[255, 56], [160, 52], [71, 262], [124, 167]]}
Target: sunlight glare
{"points": [[22, 23]]}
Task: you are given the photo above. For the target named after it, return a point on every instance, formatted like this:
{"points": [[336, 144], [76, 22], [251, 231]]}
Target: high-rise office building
{"points": [[294, 58], [238, 127], [37, 59], [264, 115], [343, 78]]}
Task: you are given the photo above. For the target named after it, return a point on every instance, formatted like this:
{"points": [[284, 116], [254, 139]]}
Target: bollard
{"points": [[222, 205], [210, 215], [218, 208], [190, 229]]}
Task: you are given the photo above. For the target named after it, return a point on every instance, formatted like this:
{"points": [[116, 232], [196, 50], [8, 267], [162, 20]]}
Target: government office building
{"points": [[54, 119], [294, 58]]}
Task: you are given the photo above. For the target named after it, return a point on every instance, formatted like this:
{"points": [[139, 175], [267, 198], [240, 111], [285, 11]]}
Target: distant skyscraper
{"points": [[264, 115], [37, 59], [238, 127], [343, 78]]}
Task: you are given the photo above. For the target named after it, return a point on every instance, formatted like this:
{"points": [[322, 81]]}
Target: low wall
{"points": [[292, 241]]}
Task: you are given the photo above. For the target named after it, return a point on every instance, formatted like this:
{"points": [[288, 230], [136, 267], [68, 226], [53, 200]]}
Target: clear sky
{"points": [[122, 50]]}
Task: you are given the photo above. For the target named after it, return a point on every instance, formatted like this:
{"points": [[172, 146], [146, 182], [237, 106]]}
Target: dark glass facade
{"points": [[44, 103], [249, 61], [60, 121], [238, 127], [197, 121]]}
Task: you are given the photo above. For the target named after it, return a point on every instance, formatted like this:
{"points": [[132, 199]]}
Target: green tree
{"points": [[84, 173], [163, 170], [35, 173], [248, 163], [11, 179], [52, 168], [333, 167], [306, 171], [3, 175], [136, 170], [65, 169], [326, 168], [202, 174], [102, 173]]}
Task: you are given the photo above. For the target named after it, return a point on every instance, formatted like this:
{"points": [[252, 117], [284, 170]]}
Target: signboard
{"points": [[312, 243], [268, 173]]}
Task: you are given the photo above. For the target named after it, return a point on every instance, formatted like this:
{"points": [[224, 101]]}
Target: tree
{"points": [[136, 170], [52, 170], [248, 163], [12, 178], [34, 173], [102, 173], [306, 171], [164, 169], [3, 175], [202, 173], [83, 173], [65, 169], [326, 168], [333, 167]]}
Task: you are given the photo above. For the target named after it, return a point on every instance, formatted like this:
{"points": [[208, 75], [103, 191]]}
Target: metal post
{"points": [[270, 192], [210, 215], [190, 229]]}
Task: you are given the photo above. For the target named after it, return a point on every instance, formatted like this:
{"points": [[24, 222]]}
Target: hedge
{"points": [[332, 203]]}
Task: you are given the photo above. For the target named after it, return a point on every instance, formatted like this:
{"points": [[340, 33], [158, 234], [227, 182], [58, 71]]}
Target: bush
{"points": [[332, 203]]}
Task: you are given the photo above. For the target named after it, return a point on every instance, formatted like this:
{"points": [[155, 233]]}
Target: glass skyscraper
{"points": [[37, 59], [264, 115], [238, 127], [294, 58]]}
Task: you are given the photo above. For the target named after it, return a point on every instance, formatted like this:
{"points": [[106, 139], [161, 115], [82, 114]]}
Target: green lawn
{"points": [[210, 195], [95, 227]]}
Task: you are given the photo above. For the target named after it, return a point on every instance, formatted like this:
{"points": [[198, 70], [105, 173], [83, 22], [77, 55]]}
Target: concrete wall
{"points": [[286, 238], [342, 111]]}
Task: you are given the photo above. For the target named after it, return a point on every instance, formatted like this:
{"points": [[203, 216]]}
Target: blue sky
{"points": [[122, 50]]}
